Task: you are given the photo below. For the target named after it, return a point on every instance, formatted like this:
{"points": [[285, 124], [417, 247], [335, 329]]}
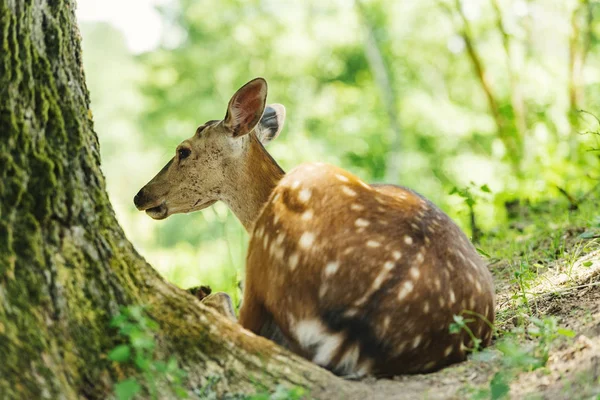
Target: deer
{"points": [[362, 279]]}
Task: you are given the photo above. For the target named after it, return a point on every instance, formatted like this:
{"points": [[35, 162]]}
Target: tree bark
{"points": [[66, 266]]}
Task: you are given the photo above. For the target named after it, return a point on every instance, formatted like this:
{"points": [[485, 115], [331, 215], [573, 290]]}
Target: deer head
{"points": [[220, 158]]}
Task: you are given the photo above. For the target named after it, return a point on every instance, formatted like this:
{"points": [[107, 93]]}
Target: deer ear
{"points": [[246, 107], [271, 123]]}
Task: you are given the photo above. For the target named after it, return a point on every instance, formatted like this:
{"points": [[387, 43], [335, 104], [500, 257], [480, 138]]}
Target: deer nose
{"points": [[137, 199]]}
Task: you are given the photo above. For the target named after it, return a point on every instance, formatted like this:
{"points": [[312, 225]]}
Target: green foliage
{"points": [[339, 112], [282, 393], [459, 324], [157, 376]]}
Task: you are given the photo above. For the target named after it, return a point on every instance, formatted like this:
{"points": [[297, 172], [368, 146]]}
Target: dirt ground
{"points": [[568, 290]]}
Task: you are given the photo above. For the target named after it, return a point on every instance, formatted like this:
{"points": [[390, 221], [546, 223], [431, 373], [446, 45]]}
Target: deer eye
{"points": [[183, 153]]}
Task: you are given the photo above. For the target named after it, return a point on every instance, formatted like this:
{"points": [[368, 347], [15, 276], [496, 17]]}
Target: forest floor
{"points": [[546, 265]]}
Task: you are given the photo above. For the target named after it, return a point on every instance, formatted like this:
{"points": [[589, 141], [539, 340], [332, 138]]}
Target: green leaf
{"points": [[180, 392], [485, 188], [126, 389], [499, 386], [565, 332], [141, 340], [120, 354], [454, 328], [118, 320], [483, 253], [588, 235], [142, 363], [459, 319], [160, 366], [587, 264]]}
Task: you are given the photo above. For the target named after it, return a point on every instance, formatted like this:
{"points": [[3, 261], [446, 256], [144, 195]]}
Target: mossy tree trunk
{"points": [[65, 264]]}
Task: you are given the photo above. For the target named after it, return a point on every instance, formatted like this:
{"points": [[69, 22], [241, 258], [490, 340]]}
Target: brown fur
{"points": [[349, 305], [360, 279]]}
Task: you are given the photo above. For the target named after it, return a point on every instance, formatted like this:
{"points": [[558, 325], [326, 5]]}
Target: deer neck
{"points": [[252, 179]]}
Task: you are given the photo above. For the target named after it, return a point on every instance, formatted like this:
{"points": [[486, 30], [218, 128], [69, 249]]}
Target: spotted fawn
{"points": [[361, 279]]}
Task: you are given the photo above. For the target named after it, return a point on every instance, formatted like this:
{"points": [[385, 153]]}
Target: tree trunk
{"points": [[65, 265]]}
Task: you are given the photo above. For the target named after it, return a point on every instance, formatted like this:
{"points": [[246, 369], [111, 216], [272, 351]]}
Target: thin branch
{"points": [[513, 148], [383, 77], [517, 101]]}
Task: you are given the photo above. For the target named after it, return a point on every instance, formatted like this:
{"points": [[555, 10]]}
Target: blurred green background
{"points": [[433, 95]]}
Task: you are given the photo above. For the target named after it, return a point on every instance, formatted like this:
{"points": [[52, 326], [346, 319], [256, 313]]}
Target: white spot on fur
{"points": [[470, 278], [414, 226], [408, 240], [396, 254], [364, 368], [472, 303], [349, 360], [448, 351], [304, 195], [472, 264], [426, 307], [293, 261], [478, 286], [405, 290], [379, 279], [323, 290], [437, 283], [442, 301], [373, 243], [309, 332], [450, 266], [312, 334], [265, 241], [331, 268], [416, 341], [388, 265], [307, 215], [342, 178], [306, 240], [348, 191], [415, 273], [429, 365], [361, 222], [399, 349], [452, 296], [357, 207], [386, 324], [280, 238], [295, 185], [348, 251], [420, 257], [351, 312], [361, 183]]}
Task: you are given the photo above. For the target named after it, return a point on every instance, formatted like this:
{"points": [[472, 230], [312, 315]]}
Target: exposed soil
{"points": [[568, 290]]}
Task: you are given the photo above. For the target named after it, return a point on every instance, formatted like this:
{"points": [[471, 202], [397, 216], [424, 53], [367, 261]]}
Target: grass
{"points": [[540, 244]]}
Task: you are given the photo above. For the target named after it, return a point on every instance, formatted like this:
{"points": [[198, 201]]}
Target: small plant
{"points": [[517, 357], [460, 324], [471, 194], [523, 277], [281, 393], [138, 330]]}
